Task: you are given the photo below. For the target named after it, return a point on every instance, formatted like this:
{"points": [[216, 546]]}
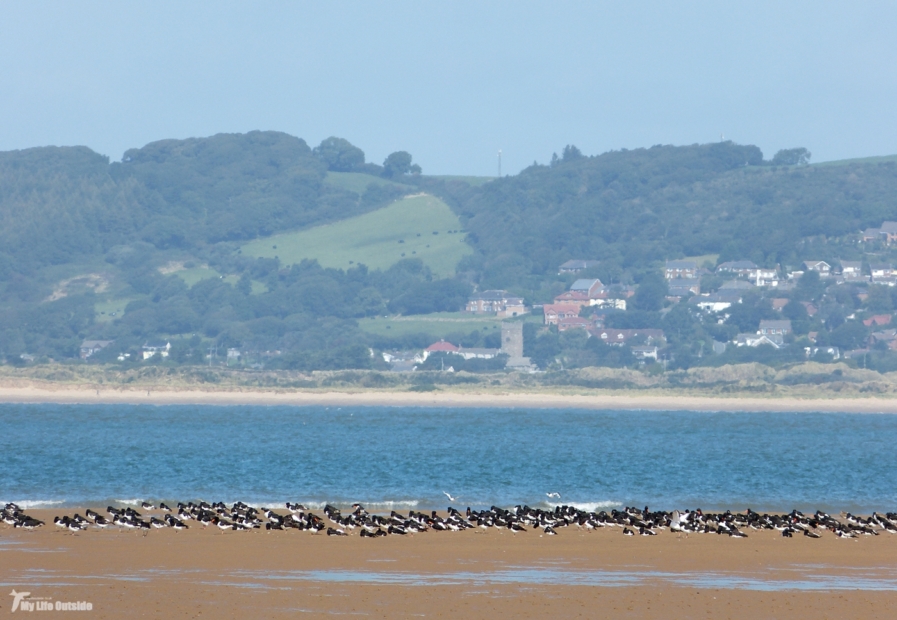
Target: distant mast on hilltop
{"points": [[499, 163]]}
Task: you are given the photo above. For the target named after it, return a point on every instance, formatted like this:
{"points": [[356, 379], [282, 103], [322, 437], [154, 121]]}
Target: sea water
{"points": [[407, 458]]}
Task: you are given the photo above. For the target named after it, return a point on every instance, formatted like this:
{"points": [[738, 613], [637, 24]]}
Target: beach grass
{"points": [[807, 386], [420, 226]]}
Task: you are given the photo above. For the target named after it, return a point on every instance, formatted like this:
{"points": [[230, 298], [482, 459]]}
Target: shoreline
{"points": [[147, 395]]}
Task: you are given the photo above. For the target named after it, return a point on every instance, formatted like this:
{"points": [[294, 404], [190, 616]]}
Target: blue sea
{"points": [[406, 458]]}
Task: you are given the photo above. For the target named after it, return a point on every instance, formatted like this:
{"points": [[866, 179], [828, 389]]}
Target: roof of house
{"points": [[872, 232], [736, 265], [809, 264], [561, 308], [96, 344], [753, 340], [156, 344], [681, 264], [579, 264], [878, 319], [585, 285], [779, 302], [851, 264], [572, 296], [889, 228], [442, 345], [880, 267], [885, 334]]}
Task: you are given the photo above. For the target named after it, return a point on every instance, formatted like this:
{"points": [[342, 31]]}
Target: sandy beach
{"points": [[203, 573], [518, 399]]}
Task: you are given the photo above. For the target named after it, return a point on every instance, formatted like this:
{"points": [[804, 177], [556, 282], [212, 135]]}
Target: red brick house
{"points": [[556, 312]]}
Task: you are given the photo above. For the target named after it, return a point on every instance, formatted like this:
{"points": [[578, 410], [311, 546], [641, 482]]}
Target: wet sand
{"points": [[204, 573], [625, 401]]}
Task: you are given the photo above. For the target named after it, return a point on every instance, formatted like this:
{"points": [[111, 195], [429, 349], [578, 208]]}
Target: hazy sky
{"points": [[453, 82]]}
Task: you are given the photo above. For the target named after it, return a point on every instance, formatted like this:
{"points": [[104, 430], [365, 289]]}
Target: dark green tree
{"points": [[651, 292], [570, 153], [809, 287], [795, 311], [397, 164], [339, 155], [879, 300], [792, 157], [849, 335]]}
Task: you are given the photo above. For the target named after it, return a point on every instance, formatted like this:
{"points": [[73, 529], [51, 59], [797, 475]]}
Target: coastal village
{"points": [[799, 302], [828, 309]]}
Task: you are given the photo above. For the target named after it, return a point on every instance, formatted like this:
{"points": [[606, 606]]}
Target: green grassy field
{"points": [[414, 227], [111, 309], [860, 160], [438, 325], [358, 182], [197, 274]]}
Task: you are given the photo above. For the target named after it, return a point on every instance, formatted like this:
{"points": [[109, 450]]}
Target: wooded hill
{"points": [[634, 209], [80, 236]]}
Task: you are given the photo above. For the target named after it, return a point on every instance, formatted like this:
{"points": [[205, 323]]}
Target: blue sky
{"points": [[454, 82]]}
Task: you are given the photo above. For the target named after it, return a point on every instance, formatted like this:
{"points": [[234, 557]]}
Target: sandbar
{"points": [[204, 573]]}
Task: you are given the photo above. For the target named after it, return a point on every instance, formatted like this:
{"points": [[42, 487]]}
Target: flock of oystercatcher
{"points": [[633, 521]]}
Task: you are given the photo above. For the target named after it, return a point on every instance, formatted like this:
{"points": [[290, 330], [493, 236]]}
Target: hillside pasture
{"points": [[881, 159], [420, 226]]}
